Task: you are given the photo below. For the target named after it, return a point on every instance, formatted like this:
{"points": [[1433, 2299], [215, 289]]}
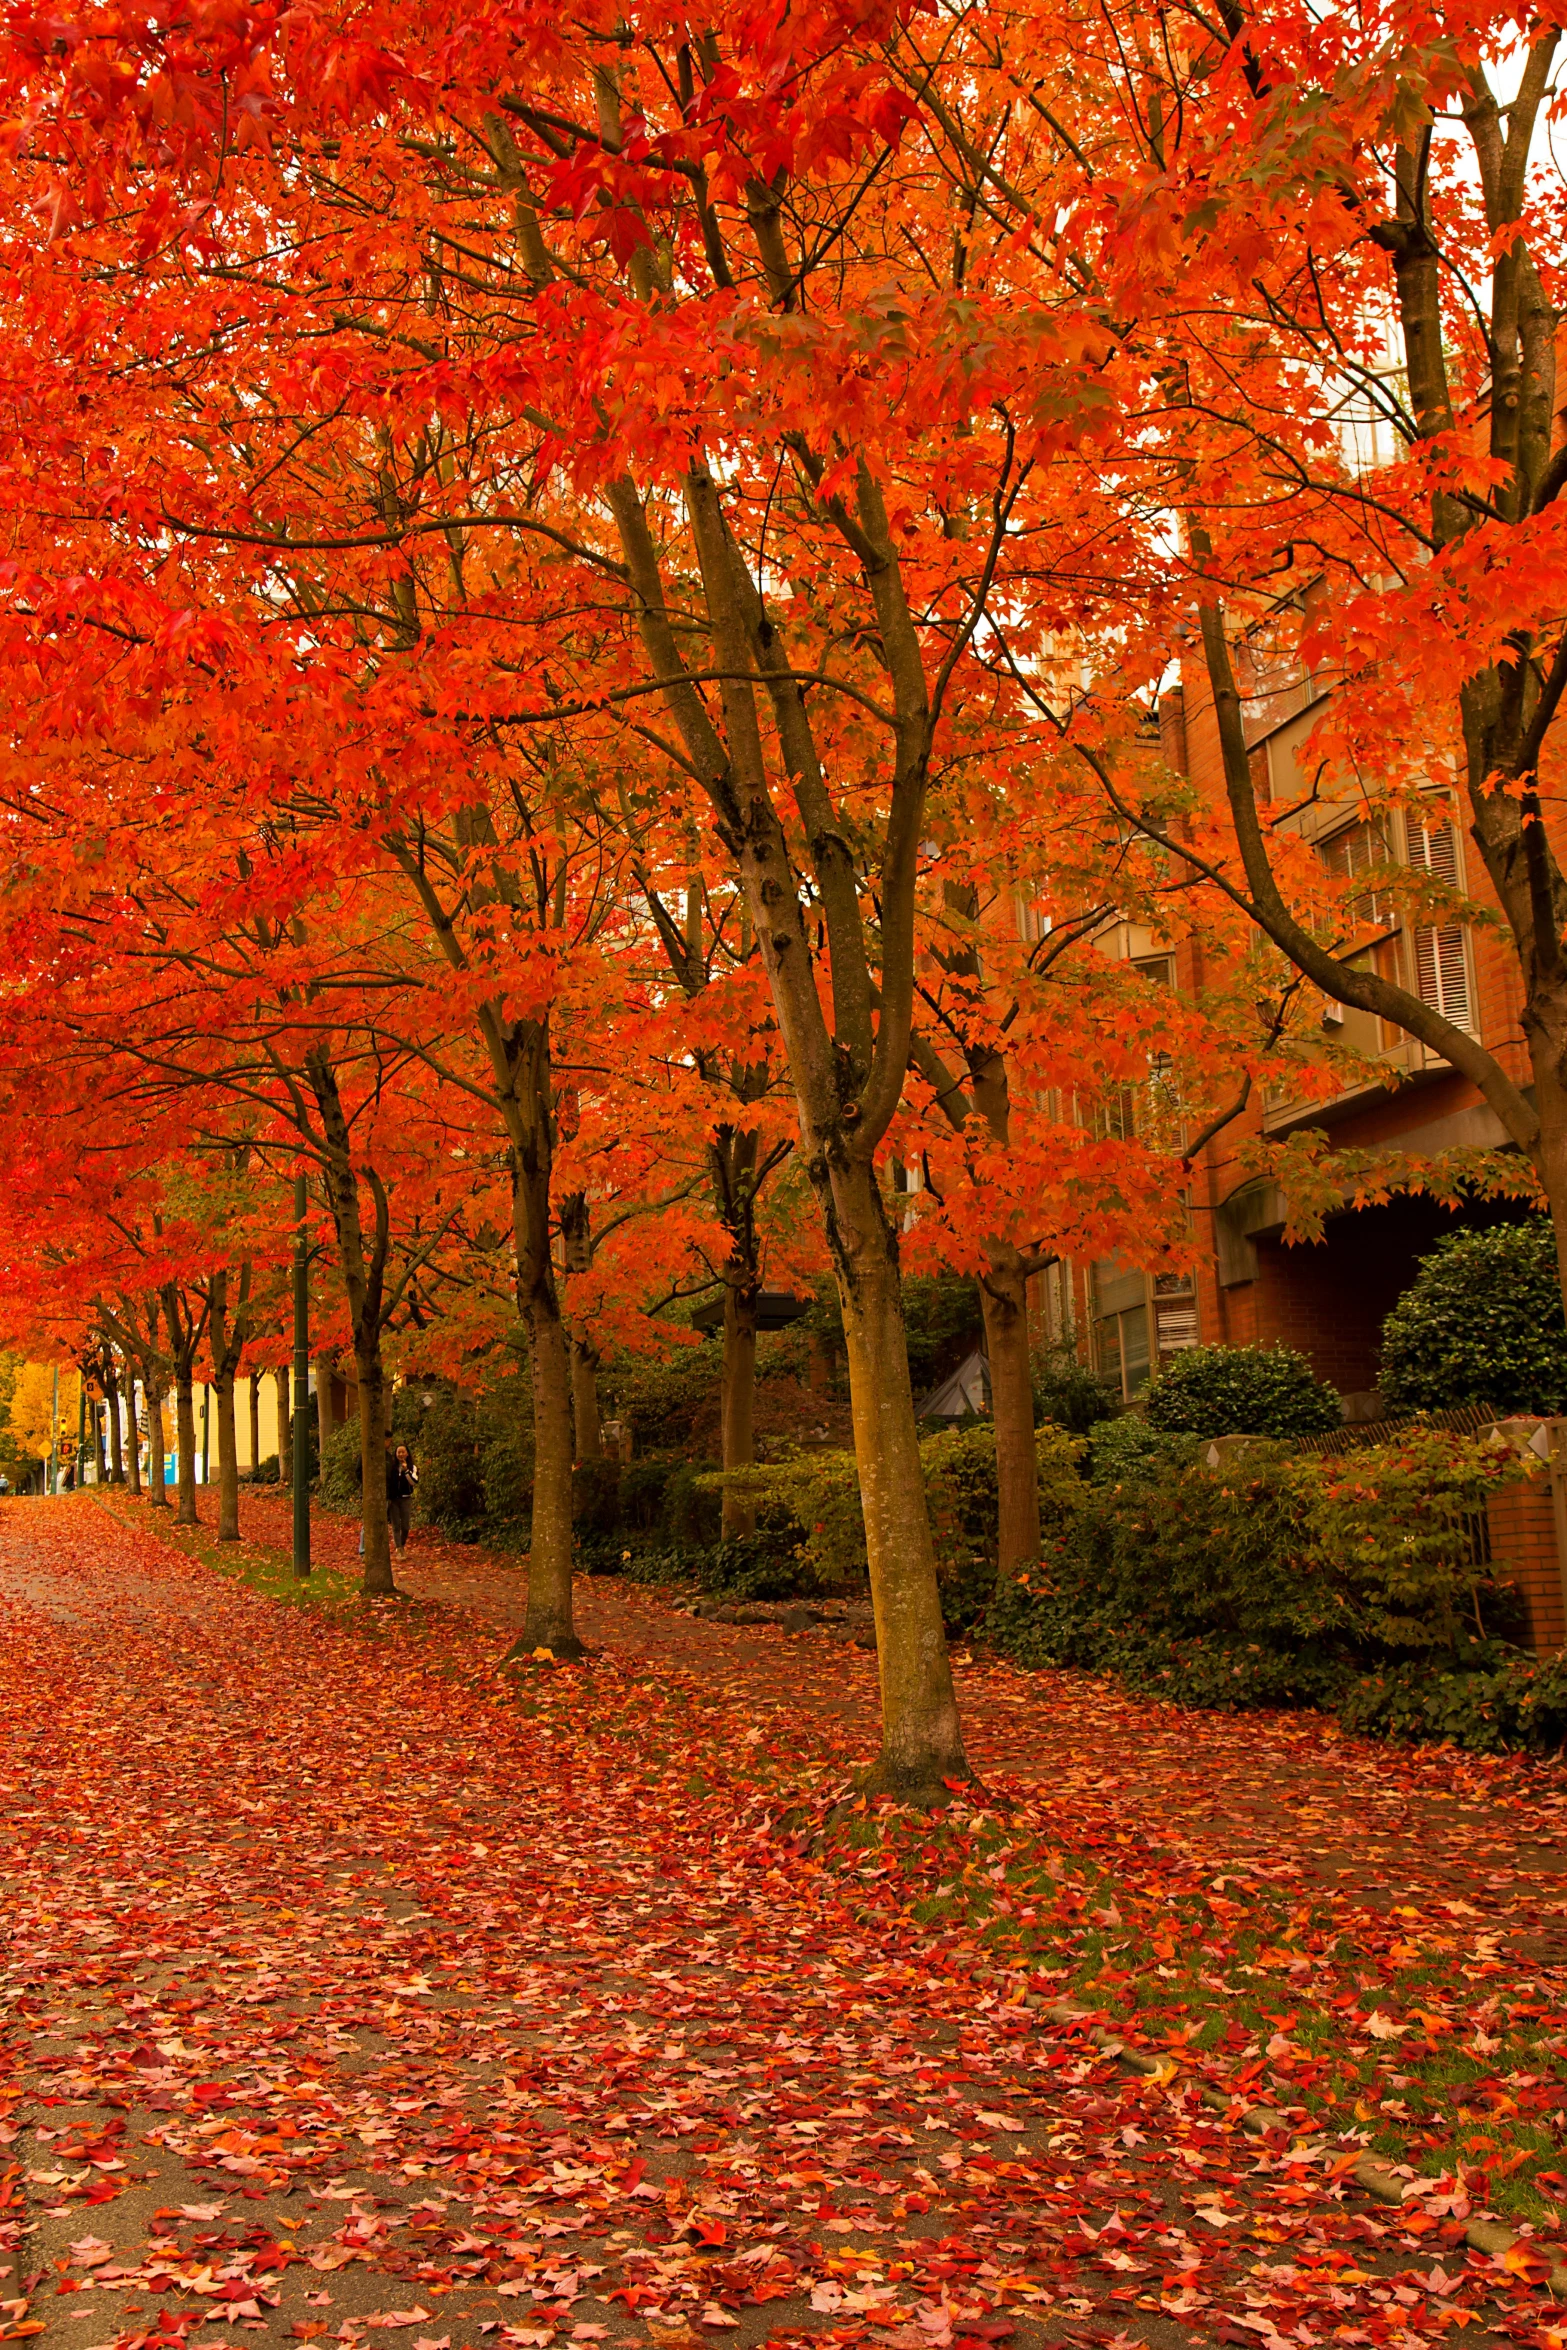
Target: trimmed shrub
{"points": [[1241, 1391], [1483, 1324], [809, 1507], [809, 1503], [1273, 1580], [962, 1497]]}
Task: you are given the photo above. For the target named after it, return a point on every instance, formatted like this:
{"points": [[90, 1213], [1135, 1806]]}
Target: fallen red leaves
{"points": [[370, 2001]]}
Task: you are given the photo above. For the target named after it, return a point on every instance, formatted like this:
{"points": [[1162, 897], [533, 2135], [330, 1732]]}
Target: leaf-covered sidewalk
{"points": [[354, 1992], [1284, 1799]]}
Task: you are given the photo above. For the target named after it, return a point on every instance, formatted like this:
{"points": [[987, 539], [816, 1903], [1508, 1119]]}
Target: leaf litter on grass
{"points": [[539, 2020], [1373, 1939]]}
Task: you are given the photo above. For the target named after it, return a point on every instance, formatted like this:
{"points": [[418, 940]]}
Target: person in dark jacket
{"points": [[401, 1479]]}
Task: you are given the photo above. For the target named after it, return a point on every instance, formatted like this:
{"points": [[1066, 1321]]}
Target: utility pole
{"points": [[301, 1435]]}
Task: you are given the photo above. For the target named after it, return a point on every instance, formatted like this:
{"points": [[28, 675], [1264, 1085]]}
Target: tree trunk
{"points": [[254, 1393], [158, 1492], [1003, 1297], [526, 1103], [548, 1623], [586, 1424], [739, 1400], [185, 1439], [922, 1747], [285, 1432], [364, 1284], [378, 1581], [132, 1438], [323, 1408], [1549, 1069], [228, 1459], [116, 1446], [848, 1071]]}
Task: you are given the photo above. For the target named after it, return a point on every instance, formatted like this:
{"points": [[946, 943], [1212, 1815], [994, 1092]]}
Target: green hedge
{"points": [[339, 1481], [1213, 1391], [808, 1508], [1349, 1582], [1501, 1704], [1483, 1324]]}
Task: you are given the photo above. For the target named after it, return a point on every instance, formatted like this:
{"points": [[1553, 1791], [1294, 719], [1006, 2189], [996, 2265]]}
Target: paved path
{"points": [[347, 1999]]}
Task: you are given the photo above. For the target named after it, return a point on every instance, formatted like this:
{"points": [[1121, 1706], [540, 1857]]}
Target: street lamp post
{"points": [[301, 1381]]}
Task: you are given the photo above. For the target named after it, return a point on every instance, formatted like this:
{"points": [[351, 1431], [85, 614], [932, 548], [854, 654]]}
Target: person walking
{"points": [[401, 1479]]}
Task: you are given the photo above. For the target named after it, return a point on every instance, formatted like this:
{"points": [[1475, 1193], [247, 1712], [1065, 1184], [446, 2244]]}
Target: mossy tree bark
{"points": [[324, 1421]]}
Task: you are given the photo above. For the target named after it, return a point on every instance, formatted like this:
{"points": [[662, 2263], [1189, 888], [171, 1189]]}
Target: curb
{"points": [[1376, 2178]]}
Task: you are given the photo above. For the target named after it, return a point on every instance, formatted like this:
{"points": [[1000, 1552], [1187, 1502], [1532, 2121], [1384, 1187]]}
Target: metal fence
{"points": [[1463, 1420]]}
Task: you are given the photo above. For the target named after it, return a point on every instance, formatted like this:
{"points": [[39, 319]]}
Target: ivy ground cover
{"points": [[355, 1992]]}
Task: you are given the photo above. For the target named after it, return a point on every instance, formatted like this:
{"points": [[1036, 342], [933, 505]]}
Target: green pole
{"points": [[81, 1430], [301, 1381], [54, 1433]]}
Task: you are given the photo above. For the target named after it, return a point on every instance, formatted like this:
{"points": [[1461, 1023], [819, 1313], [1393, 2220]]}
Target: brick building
{"points": [[1329, 1298]]}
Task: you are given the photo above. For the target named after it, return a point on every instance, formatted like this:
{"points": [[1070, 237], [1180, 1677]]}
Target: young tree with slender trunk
{"points": [[185, 1322], [715, 944], [228, 1336], [281, 1381]]}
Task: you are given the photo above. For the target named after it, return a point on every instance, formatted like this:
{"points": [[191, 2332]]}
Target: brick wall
{"points": [[1523, 1547]]}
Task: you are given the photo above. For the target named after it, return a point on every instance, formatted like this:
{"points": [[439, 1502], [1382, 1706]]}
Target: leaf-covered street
{"points": [[354, 1993]]}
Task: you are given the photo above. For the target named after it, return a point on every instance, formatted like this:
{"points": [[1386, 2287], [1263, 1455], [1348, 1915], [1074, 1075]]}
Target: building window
{"points": [[1175, 1313], [1140, 1323], [1360, 849], [1033, 923], [1115, 1119], [1441, 957]]}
